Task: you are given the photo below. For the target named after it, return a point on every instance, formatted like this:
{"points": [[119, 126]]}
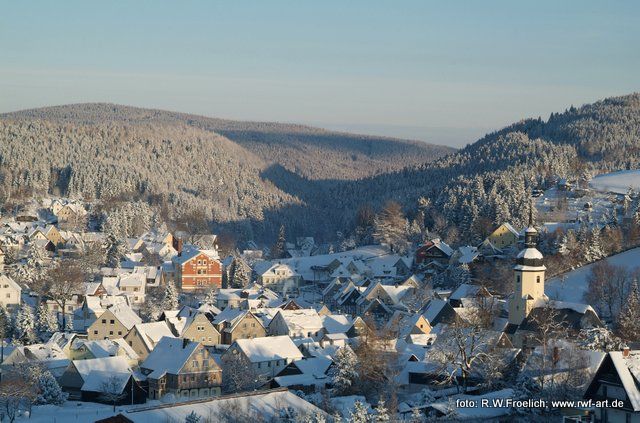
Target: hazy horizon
{"points": [[441, 73]]}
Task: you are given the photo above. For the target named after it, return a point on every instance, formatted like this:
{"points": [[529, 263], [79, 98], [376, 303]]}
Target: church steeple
{"points": [[528, 276]]}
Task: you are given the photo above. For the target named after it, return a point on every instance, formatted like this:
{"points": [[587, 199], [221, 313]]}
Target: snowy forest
{"points": [[248, 178]]}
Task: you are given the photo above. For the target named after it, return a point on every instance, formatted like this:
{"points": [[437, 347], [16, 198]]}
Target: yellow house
{"points": [[504, 236], [115, 322], [144, 337]]}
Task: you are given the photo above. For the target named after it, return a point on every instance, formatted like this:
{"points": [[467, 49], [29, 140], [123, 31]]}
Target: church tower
{"points": [[528, 277]]}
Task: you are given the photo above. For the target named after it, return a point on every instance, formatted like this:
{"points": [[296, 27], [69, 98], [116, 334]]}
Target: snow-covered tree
{"points": [[359, 414], [382, 413], [25, 325], [6, 325], [594, 250], [46, 322], [116, 249], [599, 339], [629, 318], [279, 248], [427, 396], [193, 417], [390, 227], [417, 416], [171, 297], [344, 372], [49, 391], [211, 297], [35, 264]]}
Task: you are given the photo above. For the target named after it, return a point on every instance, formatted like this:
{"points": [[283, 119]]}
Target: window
{"points": [[537, 279], [204, 262], [518, 279], [95, 332], [8, 295], [199, 262], [111, 322], [119, 332], [110, 332], [104, 321]]}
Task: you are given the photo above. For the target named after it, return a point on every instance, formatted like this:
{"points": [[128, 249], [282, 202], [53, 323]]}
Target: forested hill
{"points": [[310, 152], [256, 175], [252, 177]]}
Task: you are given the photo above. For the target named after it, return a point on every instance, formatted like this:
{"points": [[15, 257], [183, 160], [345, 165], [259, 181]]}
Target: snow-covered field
{"points": [[617, 182], [266, 405], [571, 286], [602, 209]]}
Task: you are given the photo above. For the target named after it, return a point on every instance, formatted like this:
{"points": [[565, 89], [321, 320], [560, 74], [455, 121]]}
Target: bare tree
{"points": [[62, 282], [15, 393], [238, 374], [112, 391]]}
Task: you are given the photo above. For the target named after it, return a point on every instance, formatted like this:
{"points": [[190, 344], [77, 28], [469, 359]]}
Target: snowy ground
{"points": [[617, 182], [266, 405], [601, 204], [571, 286]]}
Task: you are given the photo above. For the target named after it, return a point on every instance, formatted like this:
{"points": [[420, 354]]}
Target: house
{"points": [[336, 323], [268, 355], [403, 324], [144, 337], [70, 212], [302, 323], [82, 349], [438, 311], [115, 322], [467, 291], [197, 269], [434, 250], [234, 324], [133, 285], [183, 368], [87, 379], [10, 293], [196, 326], [504, 236], [617, 378], [49, 356], [307, 375], [49, 233], [280, 277]]}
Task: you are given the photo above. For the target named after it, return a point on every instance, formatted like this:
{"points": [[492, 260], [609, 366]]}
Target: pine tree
{"points": [[241, 276], [25, 326], [382, 414], [46, 322], [171, 297], [594, 250], [563, 246], [49, 390], [6, 324], [344, 370], [115, 248], [279, 248], [193, 418], [35, 264], [359, 414], [629, 317]]}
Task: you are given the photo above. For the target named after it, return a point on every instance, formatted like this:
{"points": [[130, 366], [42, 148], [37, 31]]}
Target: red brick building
{"points": [[197, 269]]}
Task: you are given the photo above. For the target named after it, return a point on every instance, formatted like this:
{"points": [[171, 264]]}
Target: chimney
{"points": [[625, 352], [185, 342], [177, 245]]}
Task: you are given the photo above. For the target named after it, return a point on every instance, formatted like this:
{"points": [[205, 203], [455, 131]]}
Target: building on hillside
{"points": [[197, 269], [183, 368], [268, 355], [529, 305], [115, 322], [281, 278], [10, 293], [234, 324], [144, 337], [504, 236], [617, 378], [303, 323], [434, 250]]}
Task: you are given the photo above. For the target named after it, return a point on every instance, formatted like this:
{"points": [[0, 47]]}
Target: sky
{"points": [[445, 72]]}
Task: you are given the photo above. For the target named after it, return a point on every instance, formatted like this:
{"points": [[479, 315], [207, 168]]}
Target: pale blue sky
{"points": [[441, 71]]}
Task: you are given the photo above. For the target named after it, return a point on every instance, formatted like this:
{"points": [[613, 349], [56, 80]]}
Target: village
{"points": [[117, 329]]}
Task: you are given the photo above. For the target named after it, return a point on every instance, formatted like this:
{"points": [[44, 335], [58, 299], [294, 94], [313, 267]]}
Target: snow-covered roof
{"points": [[101, 381], [189, 252], [268, 348], [125, 315], [433, 309], [115, 364], [530, 253], [628, 369], [6, 280], [465, 291], [302, 319], [511, 229], [152, 332], [336, 323], [169, 356]]}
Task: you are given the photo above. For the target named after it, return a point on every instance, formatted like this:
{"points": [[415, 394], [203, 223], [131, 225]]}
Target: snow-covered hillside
{"points": [[617, 182], [572, 285]]}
